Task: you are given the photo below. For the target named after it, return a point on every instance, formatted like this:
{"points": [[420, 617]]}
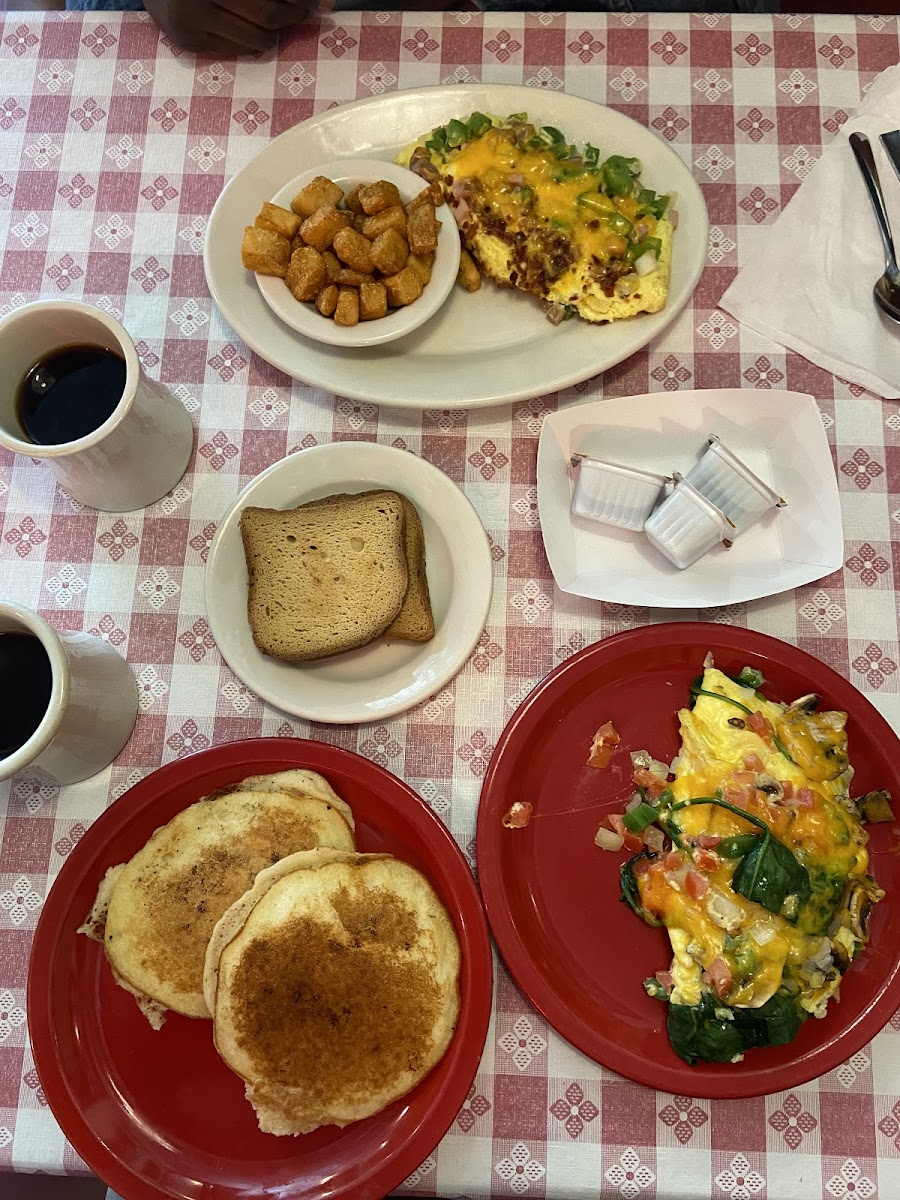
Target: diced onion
{"points": [[654, 839], [722, 911], [709, 661], [634, 802], [761, 934], [646, 263], [672, 218], [608, 839], [658, 768], [641, 759]]}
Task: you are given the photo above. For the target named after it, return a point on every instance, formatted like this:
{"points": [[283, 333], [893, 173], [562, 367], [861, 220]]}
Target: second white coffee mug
{"points": [[93, 702], [139, 453]]}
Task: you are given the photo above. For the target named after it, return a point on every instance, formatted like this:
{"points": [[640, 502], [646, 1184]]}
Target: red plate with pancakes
{"points": [[159, 1114], [552, 896]]}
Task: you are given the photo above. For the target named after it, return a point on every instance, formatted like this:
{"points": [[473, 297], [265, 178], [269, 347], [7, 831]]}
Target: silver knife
{"points": [[891, 143]]}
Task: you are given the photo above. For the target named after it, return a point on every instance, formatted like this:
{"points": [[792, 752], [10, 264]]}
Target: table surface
{"points": [[113, 148]]}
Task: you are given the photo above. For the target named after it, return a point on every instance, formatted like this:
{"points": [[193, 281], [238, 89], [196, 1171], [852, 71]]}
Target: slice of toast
{"points": [[327, 578], [415, 621]]}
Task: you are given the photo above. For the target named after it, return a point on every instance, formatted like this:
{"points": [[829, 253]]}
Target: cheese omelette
{"points": [[754, 859], [542, 216]]}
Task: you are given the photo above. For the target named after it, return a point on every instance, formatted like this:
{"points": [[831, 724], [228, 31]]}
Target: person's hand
{"points": [[227, 27]]}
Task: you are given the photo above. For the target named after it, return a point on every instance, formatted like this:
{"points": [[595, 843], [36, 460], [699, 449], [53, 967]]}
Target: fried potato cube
{"points": [[468, 275], [332, 265], [326, 301], [346, 277], [390, 218], [390, 252], [378, 196], [357, 221], [320, 192], [354, 250], [347, 309], [421, 266], [319, 229], [372, 300], [264, 251], [297, 242], [422, 228], [278, 219], [306, 273], [403, 288], [352, 200]]}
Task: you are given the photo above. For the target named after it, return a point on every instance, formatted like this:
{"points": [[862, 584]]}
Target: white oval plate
{"points": [[400, 321], [489, 347], [384, 678]]}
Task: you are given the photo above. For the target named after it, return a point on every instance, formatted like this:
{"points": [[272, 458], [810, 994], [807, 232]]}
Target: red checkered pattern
{"points": [[113, 148]]}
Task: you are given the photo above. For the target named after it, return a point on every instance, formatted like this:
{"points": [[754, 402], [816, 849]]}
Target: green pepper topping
{"points": [[637, 820], [478, 124], [457, 133]]}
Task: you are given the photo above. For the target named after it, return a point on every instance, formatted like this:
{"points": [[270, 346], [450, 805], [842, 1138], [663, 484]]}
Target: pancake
{"points": [[333, 987], [302, 783], [156, 913]]}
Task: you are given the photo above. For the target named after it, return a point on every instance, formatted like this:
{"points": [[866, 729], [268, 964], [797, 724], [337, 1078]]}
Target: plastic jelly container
{"points": [[614, 494], [731, 486], [687, 525]]}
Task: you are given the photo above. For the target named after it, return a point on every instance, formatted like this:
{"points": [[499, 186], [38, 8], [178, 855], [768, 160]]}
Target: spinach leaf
{"points": [[770, 873], [630, 893], [737, 846], [697, 1033]]}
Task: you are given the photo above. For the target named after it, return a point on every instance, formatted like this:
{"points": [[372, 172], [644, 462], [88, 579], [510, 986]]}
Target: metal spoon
{"points": [[887, 290]]}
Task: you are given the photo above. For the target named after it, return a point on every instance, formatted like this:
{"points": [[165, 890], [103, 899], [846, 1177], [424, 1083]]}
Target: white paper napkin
{"points": [[810, 285]]}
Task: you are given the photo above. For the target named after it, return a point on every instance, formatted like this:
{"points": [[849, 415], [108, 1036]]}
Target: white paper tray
{"points": [[779, 435]]}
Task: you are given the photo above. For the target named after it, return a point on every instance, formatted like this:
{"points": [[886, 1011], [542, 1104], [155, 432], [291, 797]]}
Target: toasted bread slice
{"points": [[334, 988], [324, 579], [415, 621], [155, 916]]}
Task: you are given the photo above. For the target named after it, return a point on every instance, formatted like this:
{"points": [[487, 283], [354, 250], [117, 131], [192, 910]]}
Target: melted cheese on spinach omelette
{"points": [[764, 886], [541, 216]]}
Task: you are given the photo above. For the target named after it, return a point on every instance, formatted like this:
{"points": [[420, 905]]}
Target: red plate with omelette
{"points": [[553, 896], [159, 1114]]}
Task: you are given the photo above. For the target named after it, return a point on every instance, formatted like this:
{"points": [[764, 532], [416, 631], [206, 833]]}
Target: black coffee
{"points": [[70, 393], [26, 681]]}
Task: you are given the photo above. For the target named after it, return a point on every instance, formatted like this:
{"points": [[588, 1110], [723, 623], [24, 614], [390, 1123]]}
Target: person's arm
{"points": [[228, 26]]}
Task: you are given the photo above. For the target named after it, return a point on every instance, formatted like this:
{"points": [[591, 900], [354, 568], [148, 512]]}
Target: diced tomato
{"points": [[654, 839], [759, 724], [616, 822], [708, 840], [652, 784], [752, 762], [697, 885], [805, 798], [642, 866], [706, 860], [518, 816], [605, 740], [742, 778], [633, 841], [664, 979], [740, 797], [672, 861], [788, 790], [719, 976]]}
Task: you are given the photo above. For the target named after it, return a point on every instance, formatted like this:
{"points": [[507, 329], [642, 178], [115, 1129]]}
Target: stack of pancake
{"points": [[330, 976]]}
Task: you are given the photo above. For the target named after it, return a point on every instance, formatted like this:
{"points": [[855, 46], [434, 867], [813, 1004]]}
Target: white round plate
{"points": [[489, 347], [400, 321], [384, 678]]}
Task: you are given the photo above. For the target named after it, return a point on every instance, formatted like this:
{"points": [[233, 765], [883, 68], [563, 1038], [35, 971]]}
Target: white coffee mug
{"points": [[143, 448], [93, 702]]}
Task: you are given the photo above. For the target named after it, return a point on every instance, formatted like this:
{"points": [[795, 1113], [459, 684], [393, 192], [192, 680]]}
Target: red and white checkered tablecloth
{"points": [[113, 148]]}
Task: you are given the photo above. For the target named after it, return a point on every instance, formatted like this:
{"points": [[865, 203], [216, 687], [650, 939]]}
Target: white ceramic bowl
{"points": [[347, 173], [613, 494]]}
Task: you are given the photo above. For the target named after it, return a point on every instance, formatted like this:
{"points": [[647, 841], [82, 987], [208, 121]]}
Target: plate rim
{"points": [[834, 552], [468, 912], [510, 396], [518, 959], [481, 550]]}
